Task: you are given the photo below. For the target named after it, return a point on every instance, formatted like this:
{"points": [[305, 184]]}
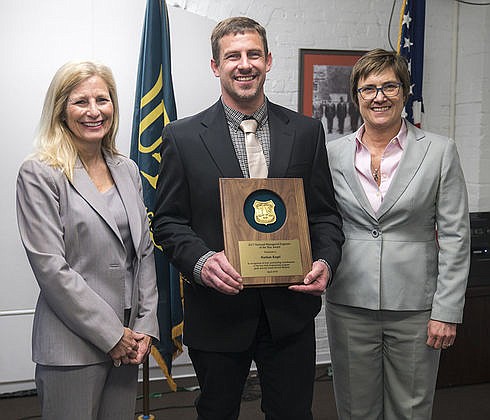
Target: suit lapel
{"points": [[214, 130], [87, 189], [129, 194], [282, 136], [413, 155], [348, 169]]}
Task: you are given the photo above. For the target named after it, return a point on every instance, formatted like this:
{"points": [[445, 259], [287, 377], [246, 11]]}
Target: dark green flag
{"points": [[154, 107]]}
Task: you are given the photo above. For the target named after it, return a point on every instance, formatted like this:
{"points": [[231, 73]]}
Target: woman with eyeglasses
{"points": [[399, 290]]}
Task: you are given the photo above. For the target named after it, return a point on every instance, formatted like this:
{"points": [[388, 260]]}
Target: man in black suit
{"points": [[354, 116], [226, 326], [329, 114], [341, 114]]}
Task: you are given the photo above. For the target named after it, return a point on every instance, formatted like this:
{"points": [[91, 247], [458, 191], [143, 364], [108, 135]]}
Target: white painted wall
{"points": [[36, 37]]}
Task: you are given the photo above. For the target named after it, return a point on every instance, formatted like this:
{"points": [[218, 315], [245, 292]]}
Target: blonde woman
{"points": [[84, 227]]}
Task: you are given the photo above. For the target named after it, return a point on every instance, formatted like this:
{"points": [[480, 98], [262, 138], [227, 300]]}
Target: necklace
{"points": [[376, 155]]}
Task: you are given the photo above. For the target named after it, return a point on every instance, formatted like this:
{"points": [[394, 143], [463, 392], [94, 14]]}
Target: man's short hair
{"points": [[236, 25]]}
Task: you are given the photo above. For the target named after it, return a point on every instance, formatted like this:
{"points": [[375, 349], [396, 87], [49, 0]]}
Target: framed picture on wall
{"points": [[324, 91]]}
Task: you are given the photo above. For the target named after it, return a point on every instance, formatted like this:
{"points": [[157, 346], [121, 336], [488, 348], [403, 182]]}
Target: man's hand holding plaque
{"points": [[219, 274]]}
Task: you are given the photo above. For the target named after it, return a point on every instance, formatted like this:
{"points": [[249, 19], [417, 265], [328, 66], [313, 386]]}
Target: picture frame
{"points": [[324, 89]]}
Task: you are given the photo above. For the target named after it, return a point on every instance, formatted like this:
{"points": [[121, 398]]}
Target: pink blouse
{"points": [[388, 166]]}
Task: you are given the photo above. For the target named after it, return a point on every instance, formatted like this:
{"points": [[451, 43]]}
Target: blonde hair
{"points": [[54, 141]]}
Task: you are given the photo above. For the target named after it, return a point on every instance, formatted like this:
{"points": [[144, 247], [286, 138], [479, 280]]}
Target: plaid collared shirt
{"points": [[234, 118]]}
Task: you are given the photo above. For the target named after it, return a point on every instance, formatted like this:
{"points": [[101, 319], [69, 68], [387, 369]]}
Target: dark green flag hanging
{"points": [[154, 107]]}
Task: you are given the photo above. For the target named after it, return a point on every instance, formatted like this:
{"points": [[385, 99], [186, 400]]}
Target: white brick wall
{"points": [[472, 102], [295, 24]]}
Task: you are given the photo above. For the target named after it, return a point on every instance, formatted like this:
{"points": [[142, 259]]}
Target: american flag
{"points": [[411, 46]]}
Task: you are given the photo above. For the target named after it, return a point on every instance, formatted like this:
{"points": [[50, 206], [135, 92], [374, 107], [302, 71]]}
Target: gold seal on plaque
{"points": [[264, 212]]}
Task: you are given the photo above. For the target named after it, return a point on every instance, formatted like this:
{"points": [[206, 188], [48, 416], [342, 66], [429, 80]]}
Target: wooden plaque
{"points": [[265, 228]]}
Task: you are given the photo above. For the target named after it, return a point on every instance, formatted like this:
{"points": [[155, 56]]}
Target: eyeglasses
{"points": [[370, 92]]}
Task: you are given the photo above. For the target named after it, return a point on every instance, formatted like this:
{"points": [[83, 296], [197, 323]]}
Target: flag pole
{"points": [[146, 392]]}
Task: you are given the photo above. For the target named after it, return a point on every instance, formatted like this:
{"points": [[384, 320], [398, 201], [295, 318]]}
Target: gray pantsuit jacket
{"points": [[392, 259], [77, 256]]}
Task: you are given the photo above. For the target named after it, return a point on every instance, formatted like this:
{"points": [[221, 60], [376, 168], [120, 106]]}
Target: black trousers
{"points": [[286, 371]]}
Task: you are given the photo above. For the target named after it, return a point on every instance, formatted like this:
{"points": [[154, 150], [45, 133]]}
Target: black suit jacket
{"points": [[196, 152]]}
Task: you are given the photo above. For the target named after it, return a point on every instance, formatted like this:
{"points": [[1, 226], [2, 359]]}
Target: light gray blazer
{"points": [[391, 259], [77, 256]]}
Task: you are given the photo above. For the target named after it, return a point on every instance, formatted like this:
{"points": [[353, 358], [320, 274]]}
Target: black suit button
{"points": [[375, 233]]}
